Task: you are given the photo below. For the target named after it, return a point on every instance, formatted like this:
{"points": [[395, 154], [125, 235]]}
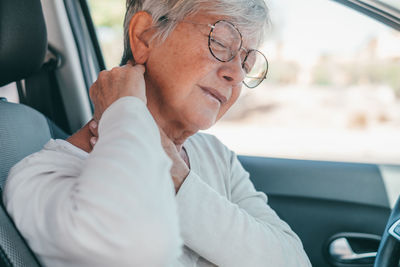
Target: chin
{"points": [[201, 119], [206, 123]]}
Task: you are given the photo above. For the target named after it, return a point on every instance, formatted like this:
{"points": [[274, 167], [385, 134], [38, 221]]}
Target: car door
{"points": [[321, 200], [338, 209]]}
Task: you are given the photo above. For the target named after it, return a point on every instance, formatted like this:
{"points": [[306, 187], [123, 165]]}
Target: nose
{"points": [[232, 71]]}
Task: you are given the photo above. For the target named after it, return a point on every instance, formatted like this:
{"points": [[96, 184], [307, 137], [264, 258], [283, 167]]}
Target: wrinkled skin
{"points": [[174, 84]]}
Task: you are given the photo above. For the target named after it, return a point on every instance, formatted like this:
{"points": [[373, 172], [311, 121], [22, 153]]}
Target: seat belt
{"points": [[42, 91]]}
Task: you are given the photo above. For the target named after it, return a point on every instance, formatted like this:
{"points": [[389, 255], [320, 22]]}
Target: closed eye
{"points": [[218, 43]]}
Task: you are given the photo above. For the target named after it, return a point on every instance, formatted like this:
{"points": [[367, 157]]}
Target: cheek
{"points": [[178, 66]]}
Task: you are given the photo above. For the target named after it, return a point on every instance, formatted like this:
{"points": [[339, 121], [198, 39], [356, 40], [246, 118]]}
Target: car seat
{"points": [[23, 130]]}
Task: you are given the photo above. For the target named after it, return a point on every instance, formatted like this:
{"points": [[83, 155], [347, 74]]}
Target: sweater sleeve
{"points": [[241, 231], [118, 210]]}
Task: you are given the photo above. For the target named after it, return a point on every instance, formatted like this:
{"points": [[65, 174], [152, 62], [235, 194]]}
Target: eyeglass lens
{"points": [[225, 42]]}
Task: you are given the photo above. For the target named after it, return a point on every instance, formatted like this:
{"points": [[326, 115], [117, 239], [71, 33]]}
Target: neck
{"points": [[173, 128]]}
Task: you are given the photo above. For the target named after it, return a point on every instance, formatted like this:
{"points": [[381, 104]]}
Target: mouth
{"points": [[214, 93]]}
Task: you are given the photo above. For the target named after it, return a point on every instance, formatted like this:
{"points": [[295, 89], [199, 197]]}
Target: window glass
{"points": [[332, 91], [393, 3], [10, 92], [108, 17]]}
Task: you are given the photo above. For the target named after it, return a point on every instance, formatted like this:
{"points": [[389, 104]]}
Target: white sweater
{"points": [[224, 221], [113, 207]]}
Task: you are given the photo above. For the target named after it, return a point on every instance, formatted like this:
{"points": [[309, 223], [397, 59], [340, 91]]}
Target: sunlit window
{"points": [[332, 93], [9, 93], [392, 3], [108, 17]]}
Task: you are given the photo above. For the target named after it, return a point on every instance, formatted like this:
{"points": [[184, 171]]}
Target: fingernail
{"points": [[93, 140], [93, 124]]}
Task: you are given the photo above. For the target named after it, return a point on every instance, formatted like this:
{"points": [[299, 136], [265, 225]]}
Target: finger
{"points": [[96, 116], [92, 89], [93, 128], [93, 141], [140, 68]]}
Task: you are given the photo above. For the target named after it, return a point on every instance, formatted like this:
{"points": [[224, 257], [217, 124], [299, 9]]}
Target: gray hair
{"points": [[251, 16]]}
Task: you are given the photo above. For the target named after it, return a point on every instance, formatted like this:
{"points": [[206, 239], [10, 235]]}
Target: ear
{"points": [[139, 34]]}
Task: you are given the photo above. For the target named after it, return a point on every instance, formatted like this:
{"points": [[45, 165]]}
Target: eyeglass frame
{"points": [[240, 48], [212, 26]]}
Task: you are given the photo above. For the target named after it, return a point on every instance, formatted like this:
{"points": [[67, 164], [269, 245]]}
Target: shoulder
{"points": [[54, 152], [210, 149], [209, 144], [57, 156], [207, 140]]}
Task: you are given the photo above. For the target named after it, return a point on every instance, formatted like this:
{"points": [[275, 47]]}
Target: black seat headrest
{"points": [[23, 39]]}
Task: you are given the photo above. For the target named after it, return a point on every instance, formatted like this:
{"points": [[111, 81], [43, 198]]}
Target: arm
{"points": [[242, 231], [118, 209]]}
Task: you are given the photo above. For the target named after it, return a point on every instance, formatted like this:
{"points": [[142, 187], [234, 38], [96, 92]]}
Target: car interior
{"points": [[50, 55]]}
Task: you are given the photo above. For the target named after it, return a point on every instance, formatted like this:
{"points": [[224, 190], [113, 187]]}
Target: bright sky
{"points": [[322, 23], [393, 3]]}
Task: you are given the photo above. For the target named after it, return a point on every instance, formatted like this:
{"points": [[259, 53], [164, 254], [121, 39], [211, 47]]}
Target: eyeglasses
{"points": [[225, 42]]}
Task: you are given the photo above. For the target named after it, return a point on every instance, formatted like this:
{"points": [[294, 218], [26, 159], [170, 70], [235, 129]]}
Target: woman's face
{"points": [[185, 84]]}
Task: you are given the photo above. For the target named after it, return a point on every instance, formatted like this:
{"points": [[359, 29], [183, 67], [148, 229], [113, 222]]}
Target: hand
{"points": [[112, 85], [80, 139], [179, 169], [94, 133]]}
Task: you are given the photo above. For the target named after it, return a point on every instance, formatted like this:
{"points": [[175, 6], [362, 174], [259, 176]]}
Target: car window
{"points": [[395, 4], [332, 91], [108, 17], [10, 93]]}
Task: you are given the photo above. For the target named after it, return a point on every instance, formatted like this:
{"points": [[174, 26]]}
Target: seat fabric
{"points": [[23, 131]]}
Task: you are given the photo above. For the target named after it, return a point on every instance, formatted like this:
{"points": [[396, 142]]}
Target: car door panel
{"points": [[321, 199]]}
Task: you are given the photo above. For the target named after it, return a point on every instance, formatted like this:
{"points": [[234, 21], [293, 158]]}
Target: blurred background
{"points": [[332, 92]]}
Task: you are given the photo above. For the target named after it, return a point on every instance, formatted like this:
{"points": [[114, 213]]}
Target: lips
{"points": [[217, 95]]}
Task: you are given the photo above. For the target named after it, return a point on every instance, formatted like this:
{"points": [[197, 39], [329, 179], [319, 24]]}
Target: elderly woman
{"points": [[183, 67]]}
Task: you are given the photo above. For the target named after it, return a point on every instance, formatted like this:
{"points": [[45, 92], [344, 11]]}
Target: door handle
{"points": [[341, 250], [353, 249]]}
